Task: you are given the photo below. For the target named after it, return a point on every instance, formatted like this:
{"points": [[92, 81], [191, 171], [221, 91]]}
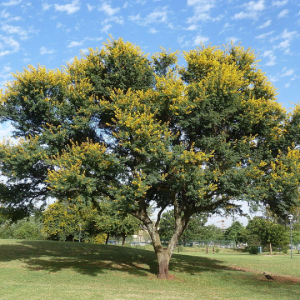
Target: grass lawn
{"points": [[64, 270]]}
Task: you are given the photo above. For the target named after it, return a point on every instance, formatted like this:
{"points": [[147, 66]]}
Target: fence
{"points": [[209, 243]]}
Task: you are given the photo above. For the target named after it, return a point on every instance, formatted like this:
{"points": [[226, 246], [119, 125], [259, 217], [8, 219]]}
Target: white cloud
{"points": [[46, 6], [288, 34], [287, 37], [74, 44], [85, 51], [266, 24], [283, 13], [252, 10], [256, 6], [107, 9], [153, 30], [8, 45], [4, 14], [116, 19], [271, 56], [287, 72], [6, 130], [199, 39], [106, 28], [68, 8], [90, 7], [202, 10], [226, 27], [15, 30], [136, 18], [284, 45], [264, 35], [232, 40], [159, 15], [192, 27], [5, 75], [44, 50], [11, 2], [182, 42], [279, 3], [273, 78]]}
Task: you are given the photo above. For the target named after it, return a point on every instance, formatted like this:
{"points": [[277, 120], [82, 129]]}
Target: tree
{"points": [[136, 131], [114, 223], [236, 232], [193, 231], [263, 232], [212, 232], [63, 221], [28, 228]]}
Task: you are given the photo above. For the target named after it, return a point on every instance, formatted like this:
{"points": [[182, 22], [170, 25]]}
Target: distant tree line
{"points": [[65, 222]]}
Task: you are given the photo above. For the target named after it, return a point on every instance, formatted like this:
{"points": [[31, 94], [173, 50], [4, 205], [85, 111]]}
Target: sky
{"points": [[52, 33]]}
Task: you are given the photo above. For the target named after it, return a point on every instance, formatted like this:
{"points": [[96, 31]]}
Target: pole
{"points": [[291, 236], [79, 232]]}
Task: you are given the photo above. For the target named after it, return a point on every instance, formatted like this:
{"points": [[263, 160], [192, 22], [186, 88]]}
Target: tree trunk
{"points": [[123, 239], [163, 254], [106, 241], [271, 252], [163, 259]]}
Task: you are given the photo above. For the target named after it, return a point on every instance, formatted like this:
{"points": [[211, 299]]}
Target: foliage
{"points": [[135, 131], [263, 232], [252, 249], [29, 229], [236, 232], [64, 221], [193, 231], [212, 232], [114, 223]]}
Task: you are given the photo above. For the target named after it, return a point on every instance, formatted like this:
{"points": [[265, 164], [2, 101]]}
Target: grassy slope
{"points": [[54, 270]]}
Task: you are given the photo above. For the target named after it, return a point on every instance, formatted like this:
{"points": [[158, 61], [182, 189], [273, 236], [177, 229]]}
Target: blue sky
{"points": [[52, 32]]}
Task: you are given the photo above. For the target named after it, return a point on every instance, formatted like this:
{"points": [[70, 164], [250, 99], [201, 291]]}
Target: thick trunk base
{"points": [[163, 265]]}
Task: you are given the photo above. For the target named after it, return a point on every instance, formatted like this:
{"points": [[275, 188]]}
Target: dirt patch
{"points": [[278, 278], [286, 279]]}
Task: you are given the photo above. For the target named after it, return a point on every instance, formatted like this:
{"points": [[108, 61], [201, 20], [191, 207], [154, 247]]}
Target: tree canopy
{"points": [[236, 232], [119, 126], [264, 232]]}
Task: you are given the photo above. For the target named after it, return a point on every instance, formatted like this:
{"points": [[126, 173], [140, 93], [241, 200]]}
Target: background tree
{"points": [[115, 223], [236, 232], [64, 221], [212, 232], [27, 228], [114, 124], [263, 232]]}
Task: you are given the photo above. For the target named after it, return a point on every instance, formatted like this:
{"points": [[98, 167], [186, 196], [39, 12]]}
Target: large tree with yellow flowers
{"points": [[133, 131]]}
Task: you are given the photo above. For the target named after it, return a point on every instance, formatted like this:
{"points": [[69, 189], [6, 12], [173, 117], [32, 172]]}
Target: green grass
{"points": [[61, 270]]}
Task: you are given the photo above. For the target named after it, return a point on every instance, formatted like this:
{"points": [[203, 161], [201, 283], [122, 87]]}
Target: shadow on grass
{"points": [[92, 259]]}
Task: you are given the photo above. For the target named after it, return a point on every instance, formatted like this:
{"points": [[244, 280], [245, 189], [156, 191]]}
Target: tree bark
{"points": [[163, 254], [271, 251], [163, 259], [106, 241], [123, 239]]}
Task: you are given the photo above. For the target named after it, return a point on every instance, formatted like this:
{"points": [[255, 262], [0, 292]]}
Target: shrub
{"points": [[252, 249]]}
